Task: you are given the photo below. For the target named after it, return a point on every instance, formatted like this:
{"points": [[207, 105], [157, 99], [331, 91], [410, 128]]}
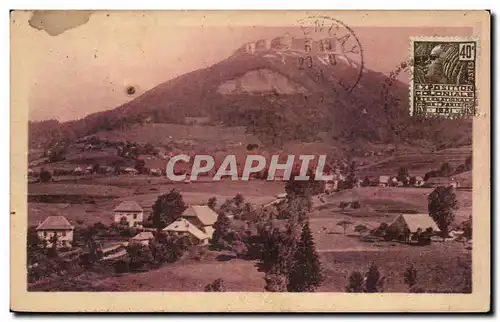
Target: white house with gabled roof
{"points": [[130, 212], [59, 227]]}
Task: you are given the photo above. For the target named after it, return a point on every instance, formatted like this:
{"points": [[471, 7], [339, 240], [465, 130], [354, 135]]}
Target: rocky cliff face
{"points": [[261, 81]]}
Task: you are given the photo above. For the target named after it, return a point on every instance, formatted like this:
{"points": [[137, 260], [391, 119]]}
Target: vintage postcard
{"points": [[250, 161]]}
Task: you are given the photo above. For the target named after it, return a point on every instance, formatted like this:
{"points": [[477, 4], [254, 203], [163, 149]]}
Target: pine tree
{"points": [[306, 273], [373, 280]]}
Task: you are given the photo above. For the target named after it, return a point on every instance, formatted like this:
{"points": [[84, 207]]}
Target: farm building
{"points": [[130, 171], [197, 120], [59, 227], [129, 212], [183, 227], [408, 225], [77, 171], [203, 217], [464, 179], [419, 181], [383, 181], [142, 238], [442, 181], [155, 172]]}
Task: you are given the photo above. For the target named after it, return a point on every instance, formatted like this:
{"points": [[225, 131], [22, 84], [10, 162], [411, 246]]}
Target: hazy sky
{"points": [[87, 69]]}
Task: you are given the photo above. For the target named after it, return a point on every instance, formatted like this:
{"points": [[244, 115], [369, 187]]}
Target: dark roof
{"points": [[55, 222], [128, 205], [440, 180]]}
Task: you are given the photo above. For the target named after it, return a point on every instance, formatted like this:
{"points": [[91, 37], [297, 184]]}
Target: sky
{"points": [[87, 69]]}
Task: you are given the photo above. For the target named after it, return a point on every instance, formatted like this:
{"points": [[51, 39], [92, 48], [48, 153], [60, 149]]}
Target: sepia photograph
{"points": [[189, 152]]}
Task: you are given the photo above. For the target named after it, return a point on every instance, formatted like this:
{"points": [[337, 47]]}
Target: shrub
{"points": [[45, 176], [355, 204], [355, 284], [410, 276], [216, 286], [343, 205], [139, 256], [121, 266], [344, 224], [360, 229]]}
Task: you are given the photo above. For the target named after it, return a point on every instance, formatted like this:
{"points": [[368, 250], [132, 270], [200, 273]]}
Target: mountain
{"points": [[280, 92]]}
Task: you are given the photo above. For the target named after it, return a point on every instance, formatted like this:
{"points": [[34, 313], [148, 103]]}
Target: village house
{"points": [[155, 172], [59, 227], [407, 225], [383, 181], [130, 170], [77, 171], [142, 238], [197, 120], [419, 181], [203, 217], [442, 181], [129, 212], [182, 227]]}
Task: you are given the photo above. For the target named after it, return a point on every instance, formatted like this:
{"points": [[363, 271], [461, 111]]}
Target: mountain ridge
{"points": [[357, 113]]}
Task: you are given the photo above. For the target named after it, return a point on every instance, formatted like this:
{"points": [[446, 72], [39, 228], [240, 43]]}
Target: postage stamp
{"points": [[444, 76]]}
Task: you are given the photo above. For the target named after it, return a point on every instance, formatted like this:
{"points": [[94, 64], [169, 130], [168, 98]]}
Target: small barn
{"points": [[442, 182], [130, 170], [383, 181], [419, 181], [77, 171], [142, 238]]}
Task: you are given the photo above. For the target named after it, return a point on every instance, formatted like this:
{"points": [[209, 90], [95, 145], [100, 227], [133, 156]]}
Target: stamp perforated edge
{"points": [[449, 39]]}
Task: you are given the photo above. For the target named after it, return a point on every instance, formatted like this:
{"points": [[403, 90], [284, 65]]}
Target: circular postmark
{"points": [[332, 51]]}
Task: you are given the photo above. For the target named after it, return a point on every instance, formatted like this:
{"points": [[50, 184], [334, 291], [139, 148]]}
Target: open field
{"points": [[394, 200], [89, 213], [417, 164], [107, 197], [436, 273], [196, 136], [77, 189]]}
